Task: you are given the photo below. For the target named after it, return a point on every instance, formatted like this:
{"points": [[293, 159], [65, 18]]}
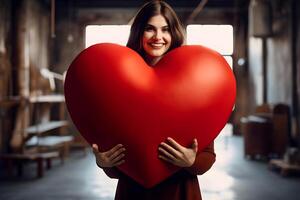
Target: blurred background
{"points": [[42, 155]]}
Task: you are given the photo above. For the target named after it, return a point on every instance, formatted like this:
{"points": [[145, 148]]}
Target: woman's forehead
{"points": [[157, 21]]}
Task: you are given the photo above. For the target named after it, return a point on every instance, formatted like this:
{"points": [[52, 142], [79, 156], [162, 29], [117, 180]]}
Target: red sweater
{"points": [[182, 185]]}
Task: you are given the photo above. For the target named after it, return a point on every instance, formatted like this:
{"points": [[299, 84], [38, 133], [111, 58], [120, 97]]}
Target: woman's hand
{"points": [[110, 158], [176, 154]]}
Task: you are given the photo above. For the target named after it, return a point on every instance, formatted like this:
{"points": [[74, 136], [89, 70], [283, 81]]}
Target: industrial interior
{"points": [[43, 155]]}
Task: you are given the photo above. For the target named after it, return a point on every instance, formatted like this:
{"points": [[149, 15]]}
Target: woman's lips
{"points": [[156, 45]]}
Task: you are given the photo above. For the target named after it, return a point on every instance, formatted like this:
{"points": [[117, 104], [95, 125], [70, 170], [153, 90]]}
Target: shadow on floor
{"points": [[231, 178]]}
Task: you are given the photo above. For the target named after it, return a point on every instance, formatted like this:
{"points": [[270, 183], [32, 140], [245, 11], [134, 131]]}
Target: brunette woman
{"points": [[155, 31]]}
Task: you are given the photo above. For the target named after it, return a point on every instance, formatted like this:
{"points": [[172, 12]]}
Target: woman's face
{"points": [[156, 38]]}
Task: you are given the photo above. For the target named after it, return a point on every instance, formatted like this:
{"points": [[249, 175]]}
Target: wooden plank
{"points": [[53, 98], [285, 168], [47, 98], [44, 127], [31, 156], [282, 164], [22, 121], [49, 141]]}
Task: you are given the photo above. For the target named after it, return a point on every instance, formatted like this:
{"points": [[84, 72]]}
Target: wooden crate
{"points": [[285, 169]]}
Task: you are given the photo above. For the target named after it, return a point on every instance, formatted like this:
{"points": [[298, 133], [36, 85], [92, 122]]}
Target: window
{"points": [[106, 33], [217, 37]]}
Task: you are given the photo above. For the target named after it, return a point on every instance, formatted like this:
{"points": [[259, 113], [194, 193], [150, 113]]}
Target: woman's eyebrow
{"points": [[150, 25]]}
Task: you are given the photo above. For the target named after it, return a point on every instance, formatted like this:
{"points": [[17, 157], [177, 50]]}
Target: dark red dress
{"points": [[183, 185]]}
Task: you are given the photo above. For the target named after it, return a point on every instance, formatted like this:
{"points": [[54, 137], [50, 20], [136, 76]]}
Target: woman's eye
{"points": [[149, 29], [165, 29]]}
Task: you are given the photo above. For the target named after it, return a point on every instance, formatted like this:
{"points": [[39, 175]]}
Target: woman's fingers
{"points": [[118, 158], [95, 148], [178, 155], [119, 163], [166, 153], [110, 158], [166, 159], [113, 150], [116, 153], [170, 149], [175, 144], [195, 145]]}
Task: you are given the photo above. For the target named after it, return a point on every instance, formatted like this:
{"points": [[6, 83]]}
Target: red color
{"points": [[114, 97]]}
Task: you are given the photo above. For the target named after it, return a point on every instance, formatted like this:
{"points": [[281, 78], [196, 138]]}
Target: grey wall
{"points": [[279, 55], [282, 67]]}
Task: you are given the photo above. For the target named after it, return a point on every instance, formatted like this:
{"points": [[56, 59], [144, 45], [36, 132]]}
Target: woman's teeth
{"points": [[156, 45]]}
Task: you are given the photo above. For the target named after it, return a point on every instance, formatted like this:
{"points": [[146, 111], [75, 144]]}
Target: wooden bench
{"points": [[52, 143], [39, 158]]}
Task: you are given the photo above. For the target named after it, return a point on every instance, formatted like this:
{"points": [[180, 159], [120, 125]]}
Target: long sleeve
{"points": [[111, 172], [204, 160]]}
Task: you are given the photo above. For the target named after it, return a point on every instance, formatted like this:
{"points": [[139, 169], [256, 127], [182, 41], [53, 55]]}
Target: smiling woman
{"points": [[155, 24], [155, 31]]}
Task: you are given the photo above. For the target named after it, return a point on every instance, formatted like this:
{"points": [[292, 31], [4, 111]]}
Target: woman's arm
{"points": [[111, 172], [204, 160]]}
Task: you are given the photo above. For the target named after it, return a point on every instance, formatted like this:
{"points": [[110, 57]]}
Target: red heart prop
{"points": [[114, 97]]}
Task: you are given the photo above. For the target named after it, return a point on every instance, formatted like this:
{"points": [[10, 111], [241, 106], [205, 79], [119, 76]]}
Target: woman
{"points": [[155, 31]]}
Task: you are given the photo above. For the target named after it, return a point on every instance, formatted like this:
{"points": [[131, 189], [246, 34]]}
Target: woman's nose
{"points": [[158, 35]]}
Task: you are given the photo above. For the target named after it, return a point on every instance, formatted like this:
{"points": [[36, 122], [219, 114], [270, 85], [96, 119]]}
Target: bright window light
{"points": [[229, 60], [217, 37], [106, 33]]}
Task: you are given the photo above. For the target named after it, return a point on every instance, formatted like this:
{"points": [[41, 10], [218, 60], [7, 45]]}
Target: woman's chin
{"points": [[154, 54]]}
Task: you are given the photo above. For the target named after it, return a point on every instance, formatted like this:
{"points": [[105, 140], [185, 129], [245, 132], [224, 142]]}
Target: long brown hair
{"points": [[147, 11]]}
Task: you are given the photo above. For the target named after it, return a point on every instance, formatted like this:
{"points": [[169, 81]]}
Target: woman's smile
{"points": [[156, 45]]}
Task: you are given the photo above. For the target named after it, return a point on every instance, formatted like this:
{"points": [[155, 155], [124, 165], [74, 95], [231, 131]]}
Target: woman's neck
{"points": [[152, 60]]}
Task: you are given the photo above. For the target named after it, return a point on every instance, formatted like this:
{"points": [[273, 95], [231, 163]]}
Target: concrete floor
{"points": [[231, 178]]}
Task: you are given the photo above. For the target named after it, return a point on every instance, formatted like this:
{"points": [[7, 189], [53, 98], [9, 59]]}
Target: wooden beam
{"points": [[196, 11], [52, 28], [22, 65], [47, 98]]}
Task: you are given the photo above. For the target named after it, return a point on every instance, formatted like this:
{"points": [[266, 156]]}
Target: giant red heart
{"points": [[114, 97]]}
